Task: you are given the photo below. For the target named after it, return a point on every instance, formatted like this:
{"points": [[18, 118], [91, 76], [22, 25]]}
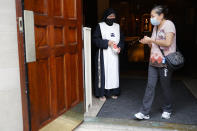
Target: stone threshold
{"points": [[112, 123]]}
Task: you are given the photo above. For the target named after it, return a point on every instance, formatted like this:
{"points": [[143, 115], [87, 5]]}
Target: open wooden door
{"points": [[56, 77]]}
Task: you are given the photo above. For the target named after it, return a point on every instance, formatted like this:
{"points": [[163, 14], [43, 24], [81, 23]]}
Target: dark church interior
{"points": [[133, 17]]}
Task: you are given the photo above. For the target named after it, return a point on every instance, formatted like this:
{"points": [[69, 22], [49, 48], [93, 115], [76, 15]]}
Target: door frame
{"points": [[22, 67]]}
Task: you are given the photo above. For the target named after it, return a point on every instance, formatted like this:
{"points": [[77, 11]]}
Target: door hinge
{"points": [[20, 24]]}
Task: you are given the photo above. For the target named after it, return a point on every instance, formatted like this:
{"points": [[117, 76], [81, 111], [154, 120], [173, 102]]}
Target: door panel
{"points": [[58, 7], [55, 79], [74, 80], [71, 9], [43, 84], [61, 80]]}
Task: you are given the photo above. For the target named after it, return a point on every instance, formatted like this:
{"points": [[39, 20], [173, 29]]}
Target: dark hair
{"points": [[160, 9]]}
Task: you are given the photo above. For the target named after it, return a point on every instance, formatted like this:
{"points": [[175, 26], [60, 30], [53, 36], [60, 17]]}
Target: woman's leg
{"points": [[165, 81], [150, 90]]}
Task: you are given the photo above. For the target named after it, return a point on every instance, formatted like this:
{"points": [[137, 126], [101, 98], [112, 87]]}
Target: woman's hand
{"points": [[146, 40], [110, 43], [119, 49], [142, 41], [116, 47], [167, 42]]}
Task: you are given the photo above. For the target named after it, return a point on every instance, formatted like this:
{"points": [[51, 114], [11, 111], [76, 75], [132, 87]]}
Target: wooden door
{"points": [[55, 79]]}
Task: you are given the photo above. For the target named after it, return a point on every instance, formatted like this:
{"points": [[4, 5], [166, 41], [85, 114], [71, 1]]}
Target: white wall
{"points": [[10, 96]]}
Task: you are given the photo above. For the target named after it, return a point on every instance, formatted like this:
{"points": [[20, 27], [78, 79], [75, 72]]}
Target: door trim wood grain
{"points": [[22, 66]]}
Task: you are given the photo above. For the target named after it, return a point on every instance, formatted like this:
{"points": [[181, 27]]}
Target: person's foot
{"points": [[114, 97], [102, 98], [166, 115], [141, 116]]}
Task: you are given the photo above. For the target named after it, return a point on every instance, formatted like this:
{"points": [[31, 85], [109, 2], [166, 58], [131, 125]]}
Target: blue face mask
{"points": [[154, 21]]}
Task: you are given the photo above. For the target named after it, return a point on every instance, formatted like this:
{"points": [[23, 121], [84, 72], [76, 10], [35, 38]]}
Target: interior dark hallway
{"points": [[132, 17]]}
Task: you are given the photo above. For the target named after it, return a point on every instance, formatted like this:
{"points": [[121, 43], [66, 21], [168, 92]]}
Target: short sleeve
{"points": [[153, 33], [170, 27]]}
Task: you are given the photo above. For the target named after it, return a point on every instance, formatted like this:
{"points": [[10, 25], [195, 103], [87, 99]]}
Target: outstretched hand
{"points": [[146, 40]]}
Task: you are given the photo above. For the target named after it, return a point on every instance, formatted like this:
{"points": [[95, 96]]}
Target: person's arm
{"points": [[170, 34], [150, 45], [167, 42], [144, 41], [97, 39]]}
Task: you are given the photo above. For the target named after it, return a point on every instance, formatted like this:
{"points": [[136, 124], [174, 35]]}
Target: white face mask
{"points": [[154, 21]]}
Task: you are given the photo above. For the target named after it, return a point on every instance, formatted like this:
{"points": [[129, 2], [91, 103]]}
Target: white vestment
{"points": [[111, 59]]}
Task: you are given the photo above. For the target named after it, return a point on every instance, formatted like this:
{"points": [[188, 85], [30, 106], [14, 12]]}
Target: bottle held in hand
{"points": [[115, 48]]}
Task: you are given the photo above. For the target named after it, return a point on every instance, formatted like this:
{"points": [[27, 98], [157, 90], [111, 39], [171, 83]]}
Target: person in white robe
{"points": [[109, 42]]}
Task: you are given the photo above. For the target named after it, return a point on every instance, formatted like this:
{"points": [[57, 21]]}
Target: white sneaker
{"points": [[141, 116], [166, 115]]}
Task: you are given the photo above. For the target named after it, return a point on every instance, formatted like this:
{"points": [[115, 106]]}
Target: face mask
{"points": [[110, 21], [154, 21]]}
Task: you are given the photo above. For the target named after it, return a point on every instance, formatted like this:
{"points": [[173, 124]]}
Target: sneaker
{"points": [[166, 115], [141, 116]]}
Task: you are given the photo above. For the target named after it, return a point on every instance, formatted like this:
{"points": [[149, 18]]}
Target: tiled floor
{"points": [[68, 121]]}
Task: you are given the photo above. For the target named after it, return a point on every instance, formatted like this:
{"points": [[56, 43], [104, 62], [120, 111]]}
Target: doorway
{"points": [[133, 17], [57, 73]]}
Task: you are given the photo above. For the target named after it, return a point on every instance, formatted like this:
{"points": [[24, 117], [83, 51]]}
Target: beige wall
{"points": [[102, 5], [10, 97]]}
